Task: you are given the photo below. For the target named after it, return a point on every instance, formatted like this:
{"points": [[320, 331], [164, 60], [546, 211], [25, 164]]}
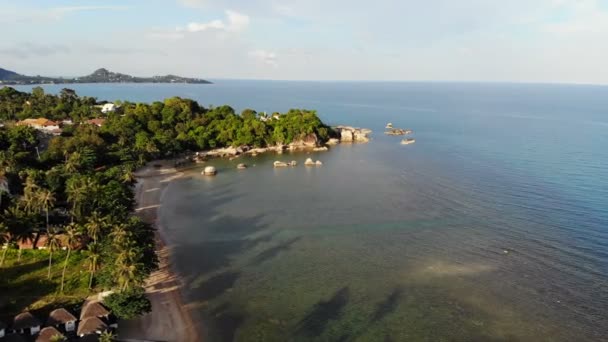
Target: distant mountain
{"points": [[99, 76], [8, 75]]}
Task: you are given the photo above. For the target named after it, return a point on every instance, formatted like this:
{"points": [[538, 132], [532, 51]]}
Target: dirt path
{"points": [[169, 320]]}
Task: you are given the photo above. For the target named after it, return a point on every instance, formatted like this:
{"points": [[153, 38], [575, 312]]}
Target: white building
{"points": [[108, 108]]}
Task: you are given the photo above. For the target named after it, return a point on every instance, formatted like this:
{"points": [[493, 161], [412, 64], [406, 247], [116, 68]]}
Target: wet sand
{"points": [[170, 319]]}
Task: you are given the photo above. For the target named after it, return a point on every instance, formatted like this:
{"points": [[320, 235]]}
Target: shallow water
{"points": [[492, 226]]}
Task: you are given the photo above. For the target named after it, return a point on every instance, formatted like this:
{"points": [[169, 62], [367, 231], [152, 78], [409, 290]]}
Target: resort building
{"points": [[91, 326], [50, 334], [62, 319], [108, 108], [26, 324]]}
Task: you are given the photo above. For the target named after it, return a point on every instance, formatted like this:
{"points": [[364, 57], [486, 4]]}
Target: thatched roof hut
{"points": [[60, 316], [25, 320], [47, 334], [93, 309], [91, 325]]}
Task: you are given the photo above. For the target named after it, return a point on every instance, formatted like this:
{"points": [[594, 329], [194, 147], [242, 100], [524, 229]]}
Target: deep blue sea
{"points": [[493, 226]]}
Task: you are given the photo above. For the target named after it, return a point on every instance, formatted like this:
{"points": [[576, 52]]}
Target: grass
{"points": [[24, 284]]}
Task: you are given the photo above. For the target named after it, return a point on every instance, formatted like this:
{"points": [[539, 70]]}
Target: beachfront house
{"points": [[62, 319], [50, 334], [26, 323]]}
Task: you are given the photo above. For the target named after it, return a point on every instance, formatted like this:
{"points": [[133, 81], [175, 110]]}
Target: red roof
{"points": [[98, 122]]}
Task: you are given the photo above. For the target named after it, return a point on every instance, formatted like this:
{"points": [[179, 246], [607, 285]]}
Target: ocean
{"points": [[493, 226]]}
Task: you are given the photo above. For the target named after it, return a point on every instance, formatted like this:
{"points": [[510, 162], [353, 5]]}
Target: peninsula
{"points": [[102, 75]]}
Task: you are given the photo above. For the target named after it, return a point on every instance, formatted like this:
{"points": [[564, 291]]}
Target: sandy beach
{"points": [[169, 320]]}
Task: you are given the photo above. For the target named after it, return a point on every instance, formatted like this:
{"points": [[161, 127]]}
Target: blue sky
{"points": [[439, 40]]}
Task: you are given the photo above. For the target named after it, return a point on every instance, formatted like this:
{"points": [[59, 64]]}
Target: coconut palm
{"points": [[72, 162], [72, 233], [93, 255], [23, 236], [47, 201], [128, 177], [107, 336], [31, 200], [95, 225], [120, 233], [77, 195], [52, 244]]}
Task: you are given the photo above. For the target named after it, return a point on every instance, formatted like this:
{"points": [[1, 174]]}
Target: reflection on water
{"points": [[359, 250]]}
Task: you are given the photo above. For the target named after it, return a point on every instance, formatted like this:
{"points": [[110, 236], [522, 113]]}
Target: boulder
{"points": [[407, 141], [280, 164], [293, 163], [320, 149], [346, 135], [333, 141], [309, 162], [241, 166], [318, 163], [209, 171]]}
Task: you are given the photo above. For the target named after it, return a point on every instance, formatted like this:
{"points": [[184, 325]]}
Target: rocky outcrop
{"points": [[333, 141], [320, 149], [398, 131], [209, 171], [352, 134]]}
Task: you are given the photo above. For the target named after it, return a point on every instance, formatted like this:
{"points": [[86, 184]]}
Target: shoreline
{"points": [[170, 319]]}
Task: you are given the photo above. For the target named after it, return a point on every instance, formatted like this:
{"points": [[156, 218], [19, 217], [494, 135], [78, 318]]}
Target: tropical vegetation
{"points": [[75, 191]]}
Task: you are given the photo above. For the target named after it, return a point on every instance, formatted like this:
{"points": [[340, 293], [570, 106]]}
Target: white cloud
{"points": [[192, 3], [37, 15], [264, 56], [235, 22]]}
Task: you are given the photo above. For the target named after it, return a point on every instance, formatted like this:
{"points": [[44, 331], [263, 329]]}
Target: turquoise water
{"points": [[493, 226]]}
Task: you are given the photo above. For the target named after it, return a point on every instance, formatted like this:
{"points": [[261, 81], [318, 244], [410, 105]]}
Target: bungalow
{"points": [[41, 124], [2, 329], [93, 308], [91, 325], [96, 122], [26, 323], [50, 334], [62, 319]]}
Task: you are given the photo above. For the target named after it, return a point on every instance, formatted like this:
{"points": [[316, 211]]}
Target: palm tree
{"points": [[52, 243], [120, 233], [128, 177], [94, 253], [46, 200], [107, 336], [95, 225], [72, 235], [72, 161], [30, 199], [76, 196]]}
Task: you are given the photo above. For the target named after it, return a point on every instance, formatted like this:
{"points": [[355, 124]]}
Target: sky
{"points": [[552, 41]]}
